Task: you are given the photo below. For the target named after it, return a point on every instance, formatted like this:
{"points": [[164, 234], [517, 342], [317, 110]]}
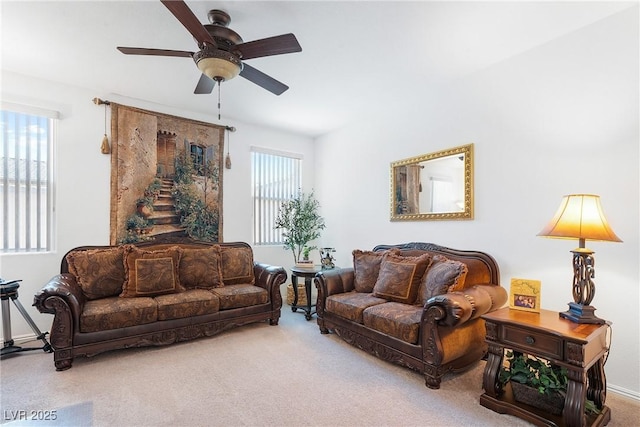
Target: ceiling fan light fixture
{"points": [[217, 64]]}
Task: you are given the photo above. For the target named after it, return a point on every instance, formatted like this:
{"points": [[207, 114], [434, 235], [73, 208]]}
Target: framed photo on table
{"points": [[524, 294]]}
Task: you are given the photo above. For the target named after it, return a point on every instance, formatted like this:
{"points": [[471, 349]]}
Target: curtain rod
{"points": [[99, 101]]}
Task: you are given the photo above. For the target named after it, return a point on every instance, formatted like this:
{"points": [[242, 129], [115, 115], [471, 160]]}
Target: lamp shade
{"points": [[580, 216], [218, 68], [217, 64]]}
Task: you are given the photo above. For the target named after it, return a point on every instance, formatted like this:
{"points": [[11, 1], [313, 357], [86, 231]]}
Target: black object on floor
{"points": [[9, 291]]}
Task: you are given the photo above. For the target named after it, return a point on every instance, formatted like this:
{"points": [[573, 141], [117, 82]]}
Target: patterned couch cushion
{"points": [[366, 266], [398, 320], [237, 266], [444, 275], [193, 302], [200, 268], [99, 272], [116, 312], [350, 305], [399, 277], [151, 273], [236, 296]]}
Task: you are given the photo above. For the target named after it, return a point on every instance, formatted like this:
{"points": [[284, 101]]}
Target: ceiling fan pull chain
{"points": [[219, 84]]}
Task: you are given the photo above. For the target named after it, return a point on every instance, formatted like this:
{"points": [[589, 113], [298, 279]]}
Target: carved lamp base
{"points": [[579, 313]]}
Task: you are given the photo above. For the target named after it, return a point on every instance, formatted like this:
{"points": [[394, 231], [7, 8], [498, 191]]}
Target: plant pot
{"points": [[302, 294], [144, 210], [553, 403], [305, 264]]}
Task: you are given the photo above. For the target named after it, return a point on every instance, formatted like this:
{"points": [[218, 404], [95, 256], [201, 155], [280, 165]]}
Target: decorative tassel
{"points": [[227, 160], [105, 148]]}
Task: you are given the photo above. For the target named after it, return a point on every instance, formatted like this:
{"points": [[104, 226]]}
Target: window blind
{"points": [[26, 187], [276, 177]]}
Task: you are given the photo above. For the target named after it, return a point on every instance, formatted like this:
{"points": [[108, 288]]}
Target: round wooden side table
{"points": [[308, 273]]}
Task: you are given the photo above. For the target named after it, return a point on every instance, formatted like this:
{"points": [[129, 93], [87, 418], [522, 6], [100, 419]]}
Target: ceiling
{"points": [[357, 56]]}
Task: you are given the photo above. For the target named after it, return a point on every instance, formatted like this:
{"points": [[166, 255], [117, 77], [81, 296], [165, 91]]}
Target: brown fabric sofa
{"points": [[414, 304], [113, 297]]}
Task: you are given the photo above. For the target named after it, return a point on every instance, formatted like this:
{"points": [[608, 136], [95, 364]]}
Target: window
{"points": [[200, 156], [197, 154], [26, 187], [441, 195], [276, 177]]}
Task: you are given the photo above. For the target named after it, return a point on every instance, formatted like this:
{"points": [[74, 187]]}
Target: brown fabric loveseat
{"points": [[414, 304], [113, 297]]}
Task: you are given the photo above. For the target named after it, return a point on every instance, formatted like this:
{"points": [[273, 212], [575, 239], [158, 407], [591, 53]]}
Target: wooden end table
{"points": [[308, 273], [580, 348]]}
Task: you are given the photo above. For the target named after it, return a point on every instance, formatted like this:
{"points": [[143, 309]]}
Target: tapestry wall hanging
{"points": [[166, 177]]}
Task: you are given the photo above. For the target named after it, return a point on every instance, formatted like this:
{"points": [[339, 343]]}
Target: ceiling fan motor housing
{"points": [[224, 37]]}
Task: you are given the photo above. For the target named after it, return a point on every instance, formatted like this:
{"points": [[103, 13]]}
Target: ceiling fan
{"points": [[222, 51]]}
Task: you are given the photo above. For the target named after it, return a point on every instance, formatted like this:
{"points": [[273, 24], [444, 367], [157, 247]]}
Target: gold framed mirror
{"points": [[434, 186]]}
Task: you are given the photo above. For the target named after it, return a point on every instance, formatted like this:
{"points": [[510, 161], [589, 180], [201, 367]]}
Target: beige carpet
{"points": [[257, 375]]}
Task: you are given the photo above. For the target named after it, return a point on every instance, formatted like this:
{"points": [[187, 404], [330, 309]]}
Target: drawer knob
{"points": [[529, 340]]}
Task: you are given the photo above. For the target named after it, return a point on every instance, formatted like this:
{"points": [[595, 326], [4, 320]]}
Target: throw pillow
{"points": [[366, 266], [200, 268], [237, 266], [444, 275], [399, 277], [151, 273], [99, 272]]}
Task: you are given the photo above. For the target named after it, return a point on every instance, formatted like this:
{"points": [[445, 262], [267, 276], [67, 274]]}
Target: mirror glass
{"points": [[433, 186]]}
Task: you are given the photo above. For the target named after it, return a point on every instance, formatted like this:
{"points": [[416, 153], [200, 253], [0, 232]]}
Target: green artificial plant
{"points": [[300, 221], [547, 378], [536, 373]]}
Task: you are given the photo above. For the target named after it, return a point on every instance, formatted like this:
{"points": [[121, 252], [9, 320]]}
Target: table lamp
{"points": [[580, 217]]}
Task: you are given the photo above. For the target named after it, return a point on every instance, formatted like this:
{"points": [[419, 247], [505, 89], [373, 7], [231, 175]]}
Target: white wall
{"points": [[561, 118], [83, 182]]}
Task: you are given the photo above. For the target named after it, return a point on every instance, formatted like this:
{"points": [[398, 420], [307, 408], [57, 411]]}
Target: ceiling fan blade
{"points": [[277, 45], [263, 80], [156, 52], [180, 10], [205, 85]]}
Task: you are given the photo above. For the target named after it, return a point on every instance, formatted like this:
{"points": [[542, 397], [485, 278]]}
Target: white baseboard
{"points": [[623, 392], [21, 339]]}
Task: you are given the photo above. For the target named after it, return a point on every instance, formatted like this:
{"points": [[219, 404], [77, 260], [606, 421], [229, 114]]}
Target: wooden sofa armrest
{"points": [[455, 308], [63, 298], [270, 277]]}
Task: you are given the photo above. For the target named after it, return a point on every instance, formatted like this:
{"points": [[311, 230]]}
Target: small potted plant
{"points": [[144, 206], [306, 261]]}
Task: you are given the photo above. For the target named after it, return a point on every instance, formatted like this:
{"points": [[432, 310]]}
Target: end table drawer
{"points": [[539, 343]]}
